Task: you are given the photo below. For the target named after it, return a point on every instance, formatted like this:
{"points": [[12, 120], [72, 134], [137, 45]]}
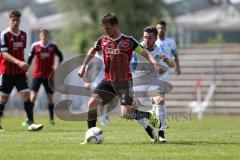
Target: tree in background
{"points": [[82, 25]]}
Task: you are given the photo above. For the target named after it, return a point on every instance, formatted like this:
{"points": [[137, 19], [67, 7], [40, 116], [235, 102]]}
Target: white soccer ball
{"points": [[94, 135]]}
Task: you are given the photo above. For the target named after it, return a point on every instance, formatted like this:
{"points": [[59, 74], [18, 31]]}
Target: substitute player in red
{"points": [[117, 50], [13, 68], [44, 52]]}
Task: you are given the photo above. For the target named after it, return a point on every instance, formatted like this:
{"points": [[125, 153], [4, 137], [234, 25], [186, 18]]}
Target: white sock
{"points": [[162, 114], [143, 122]]}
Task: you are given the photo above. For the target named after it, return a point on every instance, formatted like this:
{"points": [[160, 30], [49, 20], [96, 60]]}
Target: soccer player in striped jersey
{"points": [[117, 50], [13, 68], [155, 88], [44, 52], [168, 43]]}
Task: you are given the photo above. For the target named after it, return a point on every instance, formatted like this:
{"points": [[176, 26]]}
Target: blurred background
{"points": [[207, 34]]}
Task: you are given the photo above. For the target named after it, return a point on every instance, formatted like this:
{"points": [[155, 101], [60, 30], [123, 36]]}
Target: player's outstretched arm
{"points": [[89, 56], [151, 60], [21, 64]]}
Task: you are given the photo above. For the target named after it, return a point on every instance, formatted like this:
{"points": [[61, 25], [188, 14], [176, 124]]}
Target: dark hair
{"points": [[15, 13], [42, 30], [110, 18], [150, 29], [163, 23]]}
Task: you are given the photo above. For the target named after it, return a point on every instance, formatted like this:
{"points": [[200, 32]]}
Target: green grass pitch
{"points": [[213, 138]]}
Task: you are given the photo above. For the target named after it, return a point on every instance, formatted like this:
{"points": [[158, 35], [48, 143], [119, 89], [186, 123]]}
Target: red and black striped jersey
{"points": [[44, 58], [117, 54], [14, 44]]}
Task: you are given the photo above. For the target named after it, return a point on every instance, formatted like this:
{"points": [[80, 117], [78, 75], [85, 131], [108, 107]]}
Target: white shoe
{"points": [[35, 127], [161, 137], [84, 142], [162, 140], [154, 140]]}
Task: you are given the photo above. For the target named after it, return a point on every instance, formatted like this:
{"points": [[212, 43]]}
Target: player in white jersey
{"points": [[156, 86], [168, 43], [93, 77]]}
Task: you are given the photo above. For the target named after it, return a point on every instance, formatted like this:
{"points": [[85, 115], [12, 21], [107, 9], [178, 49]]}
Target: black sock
{"points": [[92, 118], [150, 131], [141, 114], [28, 107], [2, 106], [161, 134], [51, 111]]}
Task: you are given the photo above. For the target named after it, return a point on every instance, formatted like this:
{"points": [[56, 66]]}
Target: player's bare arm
{"points": [[167, 61], [151, 60], [89, 56], [177, 68], [21, 64]]}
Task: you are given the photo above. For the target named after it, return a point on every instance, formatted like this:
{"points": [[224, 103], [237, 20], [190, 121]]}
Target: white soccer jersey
{"points": [[156, 53], [169, 44], [142, 86]]}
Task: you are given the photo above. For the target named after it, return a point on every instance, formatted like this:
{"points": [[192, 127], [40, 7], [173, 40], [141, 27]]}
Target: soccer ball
{"points": [[94, 135]]}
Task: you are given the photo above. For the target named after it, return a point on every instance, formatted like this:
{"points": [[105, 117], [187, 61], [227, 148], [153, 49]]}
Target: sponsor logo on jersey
{"points": [[44, 55], [17, 45], [112, 51]]}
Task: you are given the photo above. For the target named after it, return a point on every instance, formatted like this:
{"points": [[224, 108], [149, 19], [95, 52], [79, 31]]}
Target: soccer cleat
{"points": [[161, 137], [162, 140], [35, 127], [25, 123], [153, 119], [84, 142], [52, 122], [151, 134], [154, 140], [1, 129]]}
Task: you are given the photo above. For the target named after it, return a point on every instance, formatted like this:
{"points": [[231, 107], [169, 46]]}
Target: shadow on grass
{"points": [[186, 143], [203, 143]]}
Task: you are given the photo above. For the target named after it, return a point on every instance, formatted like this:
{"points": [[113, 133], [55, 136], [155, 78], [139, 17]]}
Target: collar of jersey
{"points": [[44, 46], [142, 43], [116, 38], [15, 34]]}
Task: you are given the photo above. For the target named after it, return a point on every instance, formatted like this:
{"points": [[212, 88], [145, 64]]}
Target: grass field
{"points": [[215, 137]]}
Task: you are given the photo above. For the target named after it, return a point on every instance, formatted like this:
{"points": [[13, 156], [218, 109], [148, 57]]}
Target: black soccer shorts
{"points": [[107, 90], [36, 83], [7, 82]]}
